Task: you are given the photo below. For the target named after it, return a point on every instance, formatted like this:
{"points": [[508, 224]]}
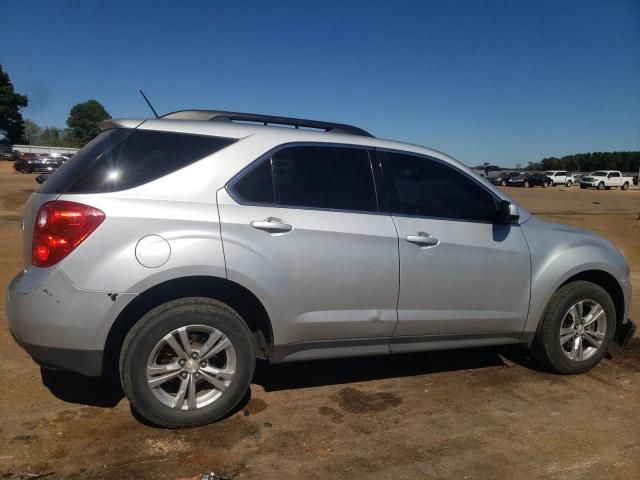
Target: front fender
{"points": [[559, 253]]}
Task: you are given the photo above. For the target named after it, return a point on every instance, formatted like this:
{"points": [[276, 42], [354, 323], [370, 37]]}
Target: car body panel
{"points": [[313, 275], [444, 289]]}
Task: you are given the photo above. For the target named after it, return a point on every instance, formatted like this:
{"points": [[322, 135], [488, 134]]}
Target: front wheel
{"points": [[576, 329], [601, 186], [503, 183], [187, 362], [526, 184]]}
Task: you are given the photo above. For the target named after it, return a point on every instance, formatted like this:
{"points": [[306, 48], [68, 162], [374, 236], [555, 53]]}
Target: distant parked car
{"points": [[530, 180], [503, 178], [606, 179], [560, 177], [38, 165]]}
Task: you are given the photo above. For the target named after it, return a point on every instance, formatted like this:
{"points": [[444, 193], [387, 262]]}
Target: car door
{"points": [[614, 179], [461, 273], [301, 229]]}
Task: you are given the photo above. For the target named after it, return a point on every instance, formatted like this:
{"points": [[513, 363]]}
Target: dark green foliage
{"points": [[11, 123], [588, 162], [83, 121]]}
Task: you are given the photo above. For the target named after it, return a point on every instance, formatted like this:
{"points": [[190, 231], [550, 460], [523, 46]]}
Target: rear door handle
{"points": [[271, 225], [423, 239]]}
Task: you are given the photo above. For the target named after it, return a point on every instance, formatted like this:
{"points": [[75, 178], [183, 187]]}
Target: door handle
{"points": [[271, 225], [423, 239]]}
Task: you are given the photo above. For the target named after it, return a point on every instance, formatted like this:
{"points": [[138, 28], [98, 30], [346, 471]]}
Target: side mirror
{"points": [[507, 212], [41, 178]]}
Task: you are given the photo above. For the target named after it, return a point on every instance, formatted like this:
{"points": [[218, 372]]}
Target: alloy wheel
{"points": [[191, 367], [583, 330]]}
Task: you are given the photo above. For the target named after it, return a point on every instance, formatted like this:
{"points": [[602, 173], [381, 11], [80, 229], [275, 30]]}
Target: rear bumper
{"points": [[59, 325], [625, 333], [85, 362]]}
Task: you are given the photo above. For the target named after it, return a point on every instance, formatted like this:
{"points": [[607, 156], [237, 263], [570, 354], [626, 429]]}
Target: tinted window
{"points": [[614, 174], [324, 177], [59, 181], [431, 189], [144, 156], [256, 185]]}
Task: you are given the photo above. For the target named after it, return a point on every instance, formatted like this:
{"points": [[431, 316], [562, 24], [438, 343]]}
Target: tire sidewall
{"points": [[155, 325]]}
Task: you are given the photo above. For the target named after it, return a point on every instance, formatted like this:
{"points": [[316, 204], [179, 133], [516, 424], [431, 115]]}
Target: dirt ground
{"points": [[475, 414]]}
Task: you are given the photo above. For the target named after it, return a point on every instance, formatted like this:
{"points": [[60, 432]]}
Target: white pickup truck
{"points": [[560, 177], [606, 179]]}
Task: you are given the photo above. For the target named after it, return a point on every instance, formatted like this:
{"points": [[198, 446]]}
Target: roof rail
{"points": [[220, 116]]}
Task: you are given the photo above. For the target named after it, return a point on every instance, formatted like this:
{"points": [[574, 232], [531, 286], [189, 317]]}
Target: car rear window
{"points": [[119, 159]]}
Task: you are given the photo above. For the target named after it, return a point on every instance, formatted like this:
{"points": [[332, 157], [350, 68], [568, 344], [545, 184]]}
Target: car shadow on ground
{"points": [[75, 388]]}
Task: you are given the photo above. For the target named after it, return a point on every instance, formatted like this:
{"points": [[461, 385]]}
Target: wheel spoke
{"points": [[566, 336], [184, 338], [173, 343], [226, 374], [216, 382], [160, 379], [159, 369], [178, 401], [594, 315], [580, 309], [580, 351], [211, 341], [222, 345], [594, 338], [191, 393]]}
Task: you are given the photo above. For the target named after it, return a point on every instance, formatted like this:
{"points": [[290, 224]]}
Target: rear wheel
{"points": [[503, 183], [186, 363], [576, 329], [526, 184], [545, 184], [625, 186], [569, 183]]}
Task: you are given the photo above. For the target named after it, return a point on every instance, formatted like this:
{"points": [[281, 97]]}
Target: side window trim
{"points": [[392, 194], [268, 156]]}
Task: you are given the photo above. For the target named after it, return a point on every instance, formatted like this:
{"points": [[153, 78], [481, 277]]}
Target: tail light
{"points": [[59, 228]]}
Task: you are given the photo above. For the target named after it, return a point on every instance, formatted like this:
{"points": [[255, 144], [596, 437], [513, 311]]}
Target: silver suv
{"points": [[176, 251]]}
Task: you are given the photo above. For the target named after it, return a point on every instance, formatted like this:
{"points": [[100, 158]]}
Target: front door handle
{"points": [[271, 225], [423, 239]]}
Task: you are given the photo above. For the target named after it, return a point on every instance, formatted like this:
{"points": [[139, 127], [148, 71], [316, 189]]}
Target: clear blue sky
{"points": [[497, 81]]}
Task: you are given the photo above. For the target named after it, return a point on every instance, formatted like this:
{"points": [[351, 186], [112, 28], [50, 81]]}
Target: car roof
{"points": [[277, 134]]}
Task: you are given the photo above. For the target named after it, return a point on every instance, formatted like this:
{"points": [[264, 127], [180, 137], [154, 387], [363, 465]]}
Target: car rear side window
{"points": [[332, 178], [429, 188], [121, 159], [322, 177]]}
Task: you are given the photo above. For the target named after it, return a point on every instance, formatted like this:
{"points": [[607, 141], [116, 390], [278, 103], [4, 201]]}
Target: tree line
{"points": [[589, 162], [82, 123]]}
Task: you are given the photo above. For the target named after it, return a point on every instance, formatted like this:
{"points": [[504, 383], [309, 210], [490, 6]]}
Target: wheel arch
{"points": [[242, 300]]}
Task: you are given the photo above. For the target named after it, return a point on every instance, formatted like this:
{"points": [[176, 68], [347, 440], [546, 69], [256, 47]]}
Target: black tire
{"points": [[157, 323], [503, 183], [526, 184], [625, 186], [601, 186], [545, 184], [547, 348], [569, 183]]}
